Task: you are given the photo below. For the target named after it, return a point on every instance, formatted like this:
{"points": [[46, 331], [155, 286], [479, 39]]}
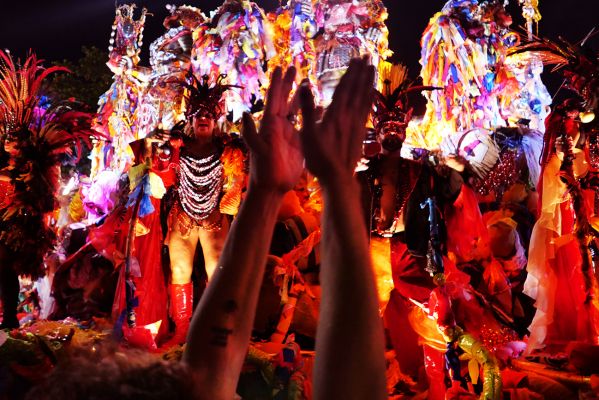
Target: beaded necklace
{"points": [[200, 185]]}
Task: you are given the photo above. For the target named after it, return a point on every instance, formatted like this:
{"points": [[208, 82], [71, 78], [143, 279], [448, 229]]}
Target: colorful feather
{"points": [[35, 143]]}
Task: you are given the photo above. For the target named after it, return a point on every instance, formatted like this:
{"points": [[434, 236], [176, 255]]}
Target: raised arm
{"points": [[220, 330], [350, 362]]}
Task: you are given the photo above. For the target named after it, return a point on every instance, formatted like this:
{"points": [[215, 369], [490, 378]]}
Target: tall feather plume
{"points": [[391, 102], [35, 145], [19, 90], [391, 76]]}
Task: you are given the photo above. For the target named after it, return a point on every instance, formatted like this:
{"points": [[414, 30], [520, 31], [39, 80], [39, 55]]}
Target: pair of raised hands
{"points": [[330, 147]]}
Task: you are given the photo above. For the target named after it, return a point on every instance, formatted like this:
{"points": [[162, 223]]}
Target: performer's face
{"points": [[203, 124], [392, 136]]}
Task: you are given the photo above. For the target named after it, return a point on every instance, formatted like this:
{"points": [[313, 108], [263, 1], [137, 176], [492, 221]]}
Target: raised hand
{"points": [[333, 147], [275, 151], [349, 300]]}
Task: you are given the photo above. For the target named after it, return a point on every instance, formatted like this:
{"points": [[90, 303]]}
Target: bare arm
{"points": [[350, 362], [220, 330]]}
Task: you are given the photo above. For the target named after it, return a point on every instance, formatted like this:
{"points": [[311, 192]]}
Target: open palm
{"points": [[332, 147], [276, 158]]}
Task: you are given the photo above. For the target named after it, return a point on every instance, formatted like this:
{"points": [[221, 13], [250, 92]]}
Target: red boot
{"points": [[181, 304]]}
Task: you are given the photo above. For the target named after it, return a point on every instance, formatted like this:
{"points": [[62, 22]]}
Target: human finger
{"points": [[341, 91], [356, 83], [306, 99], [273, 96], [250, 134], [286, 86], [294, 105], [365, 94], [359, 107]]}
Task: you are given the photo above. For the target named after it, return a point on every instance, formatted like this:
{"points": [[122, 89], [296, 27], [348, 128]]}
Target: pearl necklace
{"points": [[200, 185]]}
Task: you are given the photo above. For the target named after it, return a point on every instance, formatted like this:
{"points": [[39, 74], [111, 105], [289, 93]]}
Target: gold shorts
{"points": [[181, 221]]}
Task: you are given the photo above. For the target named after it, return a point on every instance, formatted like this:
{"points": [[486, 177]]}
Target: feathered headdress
{"points": [[202, 94], [19, 91], [579, 66], [35, 143], [391, 104]]}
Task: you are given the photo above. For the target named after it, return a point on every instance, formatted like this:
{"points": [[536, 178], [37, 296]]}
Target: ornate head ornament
{"points": [[392, 113], [126, 37], [203, 95]]}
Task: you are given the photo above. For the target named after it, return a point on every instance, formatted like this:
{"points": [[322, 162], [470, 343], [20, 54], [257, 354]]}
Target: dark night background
{"points": [[56, 29]]}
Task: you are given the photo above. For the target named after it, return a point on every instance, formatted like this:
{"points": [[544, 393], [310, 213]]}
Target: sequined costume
{"points": [[170, 59], [199, 191], [350, 29]]}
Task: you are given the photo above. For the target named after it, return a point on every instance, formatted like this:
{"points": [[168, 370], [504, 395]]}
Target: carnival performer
{"points": [[395, 188], [131, 236], [561, 294], [187, 163], [34, 143], [196, 216], [401, 232], [560, 267]]}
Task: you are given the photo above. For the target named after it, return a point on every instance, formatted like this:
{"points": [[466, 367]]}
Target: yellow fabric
{"points": [[157, 189], [136, 173], [76, 210], [380, 253], [427, 329]]}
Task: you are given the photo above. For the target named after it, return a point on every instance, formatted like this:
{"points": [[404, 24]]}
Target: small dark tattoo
{"points": [[230, 306], [220, 336]]}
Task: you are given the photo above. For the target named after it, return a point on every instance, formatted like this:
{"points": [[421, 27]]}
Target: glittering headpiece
{"points": [[127, 34], [204, 95]]}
